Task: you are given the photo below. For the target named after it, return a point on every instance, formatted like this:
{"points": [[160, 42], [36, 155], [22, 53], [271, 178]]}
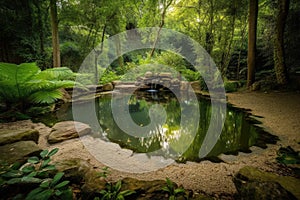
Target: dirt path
{"points": [[281, 116], [280, 112]]}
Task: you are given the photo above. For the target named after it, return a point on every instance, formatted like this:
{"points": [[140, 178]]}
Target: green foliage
{"points": [[24, 85], [113, 192], [231, 86], [54, 188], [105, 172], [108, 76], [288, 156], [172, 191], [37, 170]]}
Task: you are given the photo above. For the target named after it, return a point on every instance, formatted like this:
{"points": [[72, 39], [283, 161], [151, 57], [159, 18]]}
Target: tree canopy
{"points": [[29, 31]]}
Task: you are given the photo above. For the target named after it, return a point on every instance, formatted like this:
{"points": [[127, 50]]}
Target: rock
{"points": [[18, 151], [145, 189], [66, 97], [148, 74], [196, 86], [255, 86], [252, 183], [10, 136], [165, 74], [67, 130], [108, 87]]}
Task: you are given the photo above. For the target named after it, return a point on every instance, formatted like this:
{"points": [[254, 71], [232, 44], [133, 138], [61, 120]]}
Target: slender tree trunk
{"points": [[252, 26], [209, 38], [55, 39], [279, 58], [162, 23], [240, 52]]}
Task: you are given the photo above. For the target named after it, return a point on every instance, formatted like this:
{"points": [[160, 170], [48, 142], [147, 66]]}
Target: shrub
{"points": [[37, 170], [25, 85]]}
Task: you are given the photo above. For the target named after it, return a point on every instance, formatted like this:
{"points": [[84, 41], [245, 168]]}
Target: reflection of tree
{"points": [[237, 134]]}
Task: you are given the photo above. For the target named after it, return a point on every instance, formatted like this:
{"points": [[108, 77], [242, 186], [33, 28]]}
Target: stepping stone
{"points": [[10, 136], [68, 130]]}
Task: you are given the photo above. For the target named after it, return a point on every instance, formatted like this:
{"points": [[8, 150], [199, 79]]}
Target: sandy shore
{"points": [[281, 117]]}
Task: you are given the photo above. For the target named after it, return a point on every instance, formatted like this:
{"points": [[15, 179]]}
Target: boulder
{"points": [[108, 87], [196, 86], [67, 130], [252, 183], [10, 136], [18, 151], [148, 74]]}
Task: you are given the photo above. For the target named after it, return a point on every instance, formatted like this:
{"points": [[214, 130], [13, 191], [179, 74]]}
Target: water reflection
{"points": [[170, 138]]}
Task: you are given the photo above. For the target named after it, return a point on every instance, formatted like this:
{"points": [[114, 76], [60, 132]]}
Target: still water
{"points": [[238, 133]]}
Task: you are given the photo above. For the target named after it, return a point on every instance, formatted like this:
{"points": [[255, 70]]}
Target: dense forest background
{"points": [[56, 33]]}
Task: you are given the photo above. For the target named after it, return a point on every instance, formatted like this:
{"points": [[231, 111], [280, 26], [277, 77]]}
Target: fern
{"points": [[26, 84]]}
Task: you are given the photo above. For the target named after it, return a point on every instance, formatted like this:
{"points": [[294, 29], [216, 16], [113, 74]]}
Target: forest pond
{"points": [[238, 134]]}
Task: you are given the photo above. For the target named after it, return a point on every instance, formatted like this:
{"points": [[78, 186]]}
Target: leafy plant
{"points": [[104, 173], [172, 190], [51, 188], [37, 170], [108, 76], [25, 84], [113, 192], [288, 156]]}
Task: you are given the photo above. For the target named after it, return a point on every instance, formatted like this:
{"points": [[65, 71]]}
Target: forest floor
{"points": [[281, 117]]}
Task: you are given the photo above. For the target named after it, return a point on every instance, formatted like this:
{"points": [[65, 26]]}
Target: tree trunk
{"points": [[279, 59], [166, 5], [55, 39], [209, 37], [252, 26]]}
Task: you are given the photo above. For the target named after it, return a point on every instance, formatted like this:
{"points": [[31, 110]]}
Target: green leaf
{"points": [[13, 181], [16, 166], [41, 194], [120, 197], [127, 193], [118, 186], [32, 194], [165, 188], [32, 174], [58, 192], [56, 178], [179, 191], [62, 184], [12, 174], [67, 194], [49, 168], [28, 169], [44, 153], [29, 179], [172, 197], [169, 183], [45, 163], [53, 151], [33, 160], [46, 183]]}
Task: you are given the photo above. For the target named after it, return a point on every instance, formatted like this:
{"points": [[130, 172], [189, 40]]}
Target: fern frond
{"points": [[45, 96], [60, 73]]}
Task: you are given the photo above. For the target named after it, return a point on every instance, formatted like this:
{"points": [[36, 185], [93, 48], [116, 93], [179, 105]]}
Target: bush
{"points": [[24, 85], [36, 172]]}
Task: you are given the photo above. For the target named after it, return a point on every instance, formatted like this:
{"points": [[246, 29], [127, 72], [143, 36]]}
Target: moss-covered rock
{"points": [[252, 183], [8, 136], [18, 151]]}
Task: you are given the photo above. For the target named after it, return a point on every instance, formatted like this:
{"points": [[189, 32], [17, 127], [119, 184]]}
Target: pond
{"points": [[238, 134]]}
